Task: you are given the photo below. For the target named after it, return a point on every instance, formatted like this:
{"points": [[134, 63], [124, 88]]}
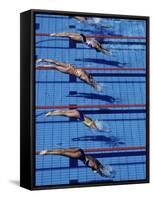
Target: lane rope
{"points": [[100, 36], [91, 106], [51, 67]]}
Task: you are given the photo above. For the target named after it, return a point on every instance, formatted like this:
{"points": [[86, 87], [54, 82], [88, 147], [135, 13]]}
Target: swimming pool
{"points": [[123, 75]]}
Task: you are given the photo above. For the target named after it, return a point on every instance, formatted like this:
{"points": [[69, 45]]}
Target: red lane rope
{"points": [[42, 34], [102, 36], [116, 36], [50, 67], [116, 149], [91, 106], [130, 148]]}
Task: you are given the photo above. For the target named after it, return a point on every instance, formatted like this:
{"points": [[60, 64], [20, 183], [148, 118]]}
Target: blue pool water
{"points": [[121, 87]]}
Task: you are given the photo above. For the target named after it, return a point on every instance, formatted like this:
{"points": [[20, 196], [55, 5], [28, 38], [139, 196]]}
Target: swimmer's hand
{"points": [[99, 88], [108, 171], [102, 126], [107, 52]]}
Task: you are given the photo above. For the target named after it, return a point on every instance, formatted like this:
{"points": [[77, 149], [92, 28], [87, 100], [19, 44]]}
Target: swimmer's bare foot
{"points": [[43, 152], [39, 60], [52, 34], [48, 114]]}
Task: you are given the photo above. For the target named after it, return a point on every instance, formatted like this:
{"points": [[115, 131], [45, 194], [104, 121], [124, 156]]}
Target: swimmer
{"points": [[81, 18], [78, 153], [91, 42], [73, 70], [94, 21], [87, 121]]}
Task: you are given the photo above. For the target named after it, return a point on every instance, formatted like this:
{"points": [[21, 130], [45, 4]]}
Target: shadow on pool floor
{"points": [[103, 61], [107, 98], [101, 111], [112, 140]]}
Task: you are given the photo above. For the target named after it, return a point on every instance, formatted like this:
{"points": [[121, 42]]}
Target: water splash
{"points": [[108, 171], [102, 126]]}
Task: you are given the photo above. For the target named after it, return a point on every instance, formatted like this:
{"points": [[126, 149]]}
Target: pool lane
{"points": [[123, 87]]}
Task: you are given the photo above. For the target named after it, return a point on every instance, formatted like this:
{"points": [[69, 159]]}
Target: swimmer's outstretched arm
{"points": [[104, 50], [92, 82], [98, 87], [100, 47]]}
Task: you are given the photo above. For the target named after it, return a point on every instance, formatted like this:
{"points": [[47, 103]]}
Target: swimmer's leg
{"points": [[67, 113], [39, 60], [71, 152], [71, 35], [56, 113], [64, 34], [46, 60], [46, 66], [73, 149], [60, 66], [72, 113], [49, 152]]}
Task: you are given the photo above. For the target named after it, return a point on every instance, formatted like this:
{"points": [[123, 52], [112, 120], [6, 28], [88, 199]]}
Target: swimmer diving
{"points": [[97, 125], [79, 37], [79, 154], [73, 70]]}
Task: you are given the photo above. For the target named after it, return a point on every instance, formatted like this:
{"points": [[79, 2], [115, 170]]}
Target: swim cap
{"points": [[88, 121]]}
